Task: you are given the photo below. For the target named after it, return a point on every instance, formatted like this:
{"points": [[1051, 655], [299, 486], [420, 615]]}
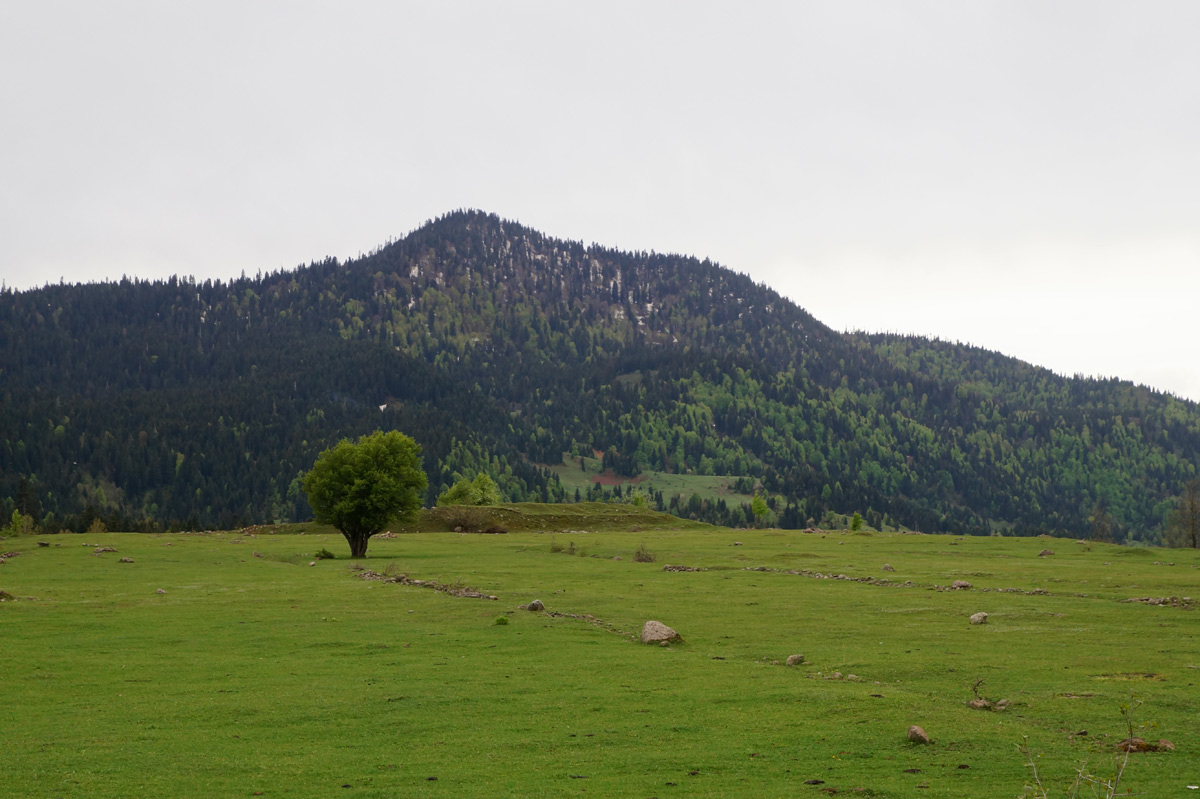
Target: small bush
{"points": [[643, 555], [555, 546], [20, 525], [324, 554], [467, 518], [501, 620]]}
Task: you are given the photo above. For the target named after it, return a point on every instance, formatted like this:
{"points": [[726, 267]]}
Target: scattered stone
{"points": [[814, 782], [960, 585], [655, 632], [795, 660], [837, 675], [535, 605], [452, 590], [918, 735], [102, 550], [43, 543], [887, 567], [312, 563], [160, 591], [737, 543], [1163, 601], [853, 678], [1142, 745], [7, 597], [386, 534], [126, 560], [616, 557], [979, 618], [1045, 553], [670, 568], [9, 554], [979, 704], [1134, 745]]}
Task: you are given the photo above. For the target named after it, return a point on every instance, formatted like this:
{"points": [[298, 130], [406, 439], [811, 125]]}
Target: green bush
{"points": [[20, 525], [480, 491]]}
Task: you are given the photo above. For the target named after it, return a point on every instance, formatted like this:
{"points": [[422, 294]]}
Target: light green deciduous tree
{"points": [[361, 487], [480, 491]]}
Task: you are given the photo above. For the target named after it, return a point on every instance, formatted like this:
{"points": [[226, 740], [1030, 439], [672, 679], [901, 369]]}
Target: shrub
{"points": [[324, 554], [502, 620], [21, 525], [643, 555], [480, 491], [467, 518]]}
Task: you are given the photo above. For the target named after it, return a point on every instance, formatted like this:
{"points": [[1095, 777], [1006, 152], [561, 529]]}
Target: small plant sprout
{"points": [[1104, 787]]}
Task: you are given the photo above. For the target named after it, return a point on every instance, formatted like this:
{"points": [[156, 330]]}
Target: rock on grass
{"points": [[655, 632]]}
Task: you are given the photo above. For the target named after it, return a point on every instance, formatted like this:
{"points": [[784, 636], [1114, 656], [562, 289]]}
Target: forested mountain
{"points": [[191, 404]]}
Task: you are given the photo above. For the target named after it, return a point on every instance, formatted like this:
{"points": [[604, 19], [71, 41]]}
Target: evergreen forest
{"points": [[179, 404]]}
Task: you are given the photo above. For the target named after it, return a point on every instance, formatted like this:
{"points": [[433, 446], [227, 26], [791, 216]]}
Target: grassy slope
{"points": [[264, 675], [709, 487]]}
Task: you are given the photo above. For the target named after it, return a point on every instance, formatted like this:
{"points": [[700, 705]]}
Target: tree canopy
{"points": [[361, 487], [480, 491]]}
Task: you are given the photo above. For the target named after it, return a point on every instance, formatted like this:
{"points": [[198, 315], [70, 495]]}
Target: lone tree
{"points": [[361, 487], [1183, 523]]}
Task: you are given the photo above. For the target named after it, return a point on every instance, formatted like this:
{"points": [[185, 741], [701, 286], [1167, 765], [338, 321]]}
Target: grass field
{"points": [[256, 674], [709, 487]]}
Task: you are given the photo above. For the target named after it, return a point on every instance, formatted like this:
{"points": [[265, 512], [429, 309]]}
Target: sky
{"points": [[1020, 175]]}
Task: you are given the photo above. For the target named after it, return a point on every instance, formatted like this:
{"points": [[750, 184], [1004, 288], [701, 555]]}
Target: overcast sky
{"points": [[1024, 176]]}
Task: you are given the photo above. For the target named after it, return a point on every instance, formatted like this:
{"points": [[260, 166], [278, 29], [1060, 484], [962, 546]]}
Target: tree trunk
{"points": [[358, 544]]}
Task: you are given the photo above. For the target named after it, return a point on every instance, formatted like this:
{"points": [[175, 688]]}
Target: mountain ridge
{"points": [[505, 348]]}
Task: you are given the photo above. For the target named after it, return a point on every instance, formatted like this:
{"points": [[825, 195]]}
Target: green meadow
{"points": [[225, 665]]}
